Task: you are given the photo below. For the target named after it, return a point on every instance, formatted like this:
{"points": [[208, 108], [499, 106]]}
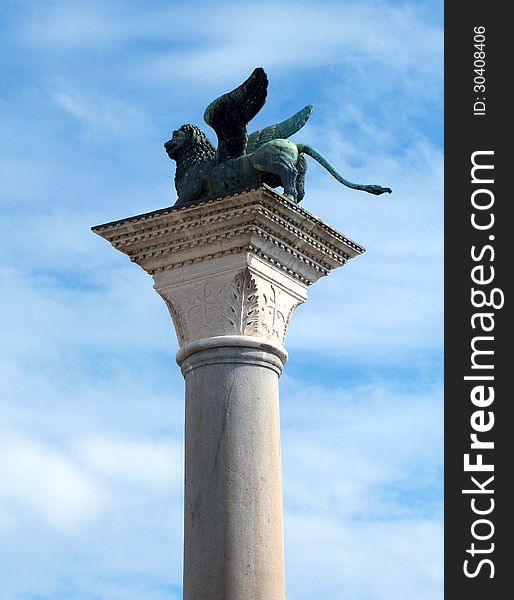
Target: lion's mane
{"points": [[197, 148]]}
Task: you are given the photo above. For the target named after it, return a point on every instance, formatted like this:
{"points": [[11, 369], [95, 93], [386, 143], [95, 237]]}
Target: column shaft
{"points": [[233, 526]]}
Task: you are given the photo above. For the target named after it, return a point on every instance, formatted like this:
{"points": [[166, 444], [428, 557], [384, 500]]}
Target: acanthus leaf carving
{"points": [[178, 321], [243, 304]]}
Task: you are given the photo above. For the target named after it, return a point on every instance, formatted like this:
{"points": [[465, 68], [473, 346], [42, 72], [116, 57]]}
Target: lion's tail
{"points": [[372, 189]]}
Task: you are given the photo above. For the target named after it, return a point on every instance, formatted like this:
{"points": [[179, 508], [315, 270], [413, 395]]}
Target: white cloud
{"points": [[352, 561], [71, 25], [347, 452], [299, 36], [100, 115], [46, 482], [193, 43], [136, 462], [362, 442]]}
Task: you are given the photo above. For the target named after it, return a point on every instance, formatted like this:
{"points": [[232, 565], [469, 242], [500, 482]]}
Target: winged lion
{"points": [[242, 161]]}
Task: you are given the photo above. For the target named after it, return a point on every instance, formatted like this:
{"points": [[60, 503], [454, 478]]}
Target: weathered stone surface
{"points": [[233, 529], [231, 272]]}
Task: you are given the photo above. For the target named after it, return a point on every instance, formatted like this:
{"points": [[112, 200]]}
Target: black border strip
{"points": [[469, 129]]}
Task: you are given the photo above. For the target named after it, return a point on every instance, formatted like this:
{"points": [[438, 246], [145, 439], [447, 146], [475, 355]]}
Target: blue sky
{"points": [[91, 397]]}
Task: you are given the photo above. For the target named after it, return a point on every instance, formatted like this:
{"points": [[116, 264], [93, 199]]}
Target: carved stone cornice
{"points": [[237, 265]]}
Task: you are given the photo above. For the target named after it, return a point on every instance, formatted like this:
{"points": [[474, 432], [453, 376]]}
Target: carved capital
{"points": [[237, 265], [238, 297]]}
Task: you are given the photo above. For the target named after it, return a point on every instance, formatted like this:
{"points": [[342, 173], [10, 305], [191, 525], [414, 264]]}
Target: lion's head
{"points": [[189, 142]]}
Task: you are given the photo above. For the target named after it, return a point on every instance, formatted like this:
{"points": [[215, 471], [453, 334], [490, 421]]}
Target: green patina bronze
{"points": [[243, 161]]}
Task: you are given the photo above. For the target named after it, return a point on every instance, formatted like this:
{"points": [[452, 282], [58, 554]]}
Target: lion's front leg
{"points": [[192, 187]]}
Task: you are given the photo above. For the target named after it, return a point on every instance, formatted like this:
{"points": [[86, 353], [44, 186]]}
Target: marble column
{"points": [[231, 271]]}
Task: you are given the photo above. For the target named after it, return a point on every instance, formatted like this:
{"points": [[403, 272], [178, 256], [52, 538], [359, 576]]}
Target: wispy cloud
{"points": [[98, 114], [48, 484], [362, 560]]}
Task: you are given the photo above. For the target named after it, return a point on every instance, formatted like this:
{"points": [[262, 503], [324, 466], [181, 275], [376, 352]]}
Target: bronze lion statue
{"points": [[243, 161]]}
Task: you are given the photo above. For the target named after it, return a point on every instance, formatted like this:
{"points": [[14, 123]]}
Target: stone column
{"points": [[231, 272]]}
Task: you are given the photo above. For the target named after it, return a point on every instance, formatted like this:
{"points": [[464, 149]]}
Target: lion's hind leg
{"points": [[288, 175], [278, 158]]}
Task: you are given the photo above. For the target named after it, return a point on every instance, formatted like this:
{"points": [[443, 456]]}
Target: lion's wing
{"points": [[229, 114], [281, 130]]}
